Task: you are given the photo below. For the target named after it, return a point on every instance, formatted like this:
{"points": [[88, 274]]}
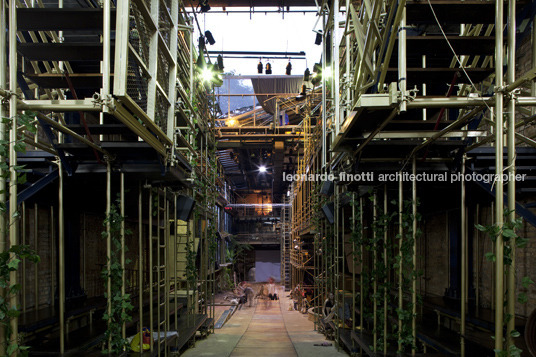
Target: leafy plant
{"points": [[11, 258], [9, 262], [508, 231], [120, 303]]}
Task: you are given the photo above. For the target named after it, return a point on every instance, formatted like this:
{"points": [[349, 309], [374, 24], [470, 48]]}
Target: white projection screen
{"points": [[267, 264]]}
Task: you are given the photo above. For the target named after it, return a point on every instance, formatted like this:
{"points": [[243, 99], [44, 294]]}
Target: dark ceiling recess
{"points": [[258, 3]]}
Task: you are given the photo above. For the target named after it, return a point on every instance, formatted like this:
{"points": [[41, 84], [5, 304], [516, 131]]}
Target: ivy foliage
{"points": [[121, 305], [511, 239], [10, 259], [9, 262]]}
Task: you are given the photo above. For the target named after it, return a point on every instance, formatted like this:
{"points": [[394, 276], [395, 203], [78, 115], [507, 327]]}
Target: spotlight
{"points": [[268, 68], [210, 38], [259, 68], [327, 75], [205, 7], [262, 169], [306, 75], [318, 39], [230, 122], [220, 62], [288, 69]]}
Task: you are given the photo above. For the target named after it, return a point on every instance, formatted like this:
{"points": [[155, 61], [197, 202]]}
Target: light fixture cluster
{"points": [[268, 68]]}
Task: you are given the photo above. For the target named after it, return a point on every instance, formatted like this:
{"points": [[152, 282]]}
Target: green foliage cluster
{"points": [[511, 239], [9, 262], [409, 271], [11, 258], [121, 305]]}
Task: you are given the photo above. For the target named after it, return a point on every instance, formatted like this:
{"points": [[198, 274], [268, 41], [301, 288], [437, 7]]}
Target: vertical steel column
{"points": [[362, 251], [499, 145], [375, 282], [402, 54], [386, 268], [511, 142], [52, 257], [13, 220], [151, 269], [353, 264], [336, 67], [175, 274], [463, 299], [23, 267], [123, 278], [324, 95], [36, 270], [109, 246], [140, 261], [61, 258], [400, 259], [414, 279], [3, 114]]}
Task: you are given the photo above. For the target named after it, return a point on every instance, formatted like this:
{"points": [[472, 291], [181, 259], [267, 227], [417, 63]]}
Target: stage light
{"points": [[220, 62], [210, 38], [268, 68], [318, 39], [306, 75], [289, 68], [262, 169], [230, 122], [259, 68], [203, 4]]}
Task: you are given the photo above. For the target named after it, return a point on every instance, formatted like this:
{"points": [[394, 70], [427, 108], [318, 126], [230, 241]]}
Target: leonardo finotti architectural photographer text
{"points": [[404, 176]]}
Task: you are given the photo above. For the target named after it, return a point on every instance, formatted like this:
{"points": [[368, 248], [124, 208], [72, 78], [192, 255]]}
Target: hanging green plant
{"points": [[508, 231], [11, 258], [120, 303]]}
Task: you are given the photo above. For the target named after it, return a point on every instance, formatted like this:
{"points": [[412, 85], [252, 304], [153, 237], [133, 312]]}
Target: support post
{"points": [[463, 299], [386, 267], [108, 245], [402, 54], [61, 257], [499, 145], [511, 142], [414, 279], [400, 259], [375, 281], [3, 114], [36, 268], [123, 278], [151, 271], [13, 220], [140, 261]]}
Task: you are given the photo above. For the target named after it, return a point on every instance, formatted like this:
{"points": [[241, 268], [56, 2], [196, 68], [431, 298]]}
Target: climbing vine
{"points": [[409, 271], [510, 239], [120, 303], [10, 259]]}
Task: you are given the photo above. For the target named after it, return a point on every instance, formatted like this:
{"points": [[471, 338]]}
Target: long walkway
{"points": [[266, 329]]}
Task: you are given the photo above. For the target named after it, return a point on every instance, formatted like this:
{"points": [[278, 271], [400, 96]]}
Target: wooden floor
{"points": [[266, 334]]}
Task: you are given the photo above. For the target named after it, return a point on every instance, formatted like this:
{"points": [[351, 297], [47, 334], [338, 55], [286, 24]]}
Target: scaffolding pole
{"points": [[463, 261], [109, 248], [499, 146], [414, 278], [511, 137], [13, 230]]}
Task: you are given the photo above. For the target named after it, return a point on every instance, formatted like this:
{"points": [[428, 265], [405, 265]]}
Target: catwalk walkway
{"points": [[266, 329]]}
